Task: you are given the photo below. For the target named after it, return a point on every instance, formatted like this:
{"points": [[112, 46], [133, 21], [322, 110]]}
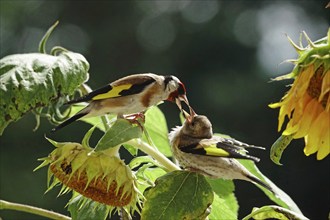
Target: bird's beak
{"points": [[178, 103], [181, 98], [185, 100], [187, 116]]}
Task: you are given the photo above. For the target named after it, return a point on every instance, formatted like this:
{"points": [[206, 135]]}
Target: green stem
{"points": [[153, 152], [105, 122], [32, 210]]}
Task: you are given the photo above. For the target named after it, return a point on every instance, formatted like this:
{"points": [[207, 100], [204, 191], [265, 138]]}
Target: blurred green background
{"points": [[225, 52]]}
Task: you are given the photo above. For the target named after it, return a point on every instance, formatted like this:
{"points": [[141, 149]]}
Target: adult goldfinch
{"points": [[197, 149], [128, 95]]}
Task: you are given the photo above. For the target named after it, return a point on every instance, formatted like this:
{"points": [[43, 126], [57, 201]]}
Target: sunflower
{"points": [[307, 103], [99, 176]]}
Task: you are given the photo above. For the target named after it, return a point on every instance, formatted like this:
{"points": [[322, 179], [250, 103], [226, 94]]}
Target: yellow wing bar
{"points": [[212, 150], [114, 92]]}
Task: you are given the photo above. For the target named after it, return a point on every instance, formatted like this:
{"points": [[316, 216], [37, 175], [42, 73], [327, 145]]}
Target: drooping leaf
{"points": [[178, 195], [153, 173], [156, 128], [147, 175], [31, 81], [278, 147], [281, 198], [132, 150], [85, 140], [120, 132], [225, 204], [86, 209], [274, 212], [137, 161]]}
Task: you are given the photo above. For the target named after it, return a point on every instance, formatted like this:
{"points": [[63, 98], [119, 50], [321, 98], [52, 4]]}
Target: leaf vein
{"points": [[173, 197]]}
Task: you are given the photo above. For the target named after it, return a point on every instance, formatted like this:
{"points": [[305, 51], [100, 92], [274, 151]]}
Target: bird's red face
{"points": [[179, 95]]}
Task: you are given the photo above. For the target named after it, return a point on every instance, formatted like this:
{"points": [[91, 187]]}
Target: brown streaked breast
{"points": [[148, 95]]}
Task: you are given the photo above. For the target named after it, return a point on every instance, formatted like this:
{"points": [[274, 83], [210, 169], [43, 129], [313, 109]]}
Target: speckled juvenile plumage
{"points": [[197, 149]]}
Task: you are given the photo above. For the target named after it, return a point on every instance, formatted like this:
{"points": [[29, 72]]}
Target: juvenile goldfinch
{"points": [[197, 149], [128, 95]]}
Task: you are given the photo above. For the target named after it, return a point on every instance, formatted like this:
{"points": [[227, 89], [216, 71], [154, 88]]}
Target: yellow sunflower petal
{"points": [[294, 96], [308, 146], [324, 137], [290, 128], [301, 83], [327, 108], [275, 105], [312, 110], [285, 110], [315, 131], [299, 109], [325, 85], [323, 151]]}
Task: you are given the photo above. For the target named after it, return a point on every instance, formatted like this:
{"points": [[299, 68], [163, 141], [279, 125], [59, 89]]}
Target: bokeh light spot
{"points": [[200, 11], [156, 33]]}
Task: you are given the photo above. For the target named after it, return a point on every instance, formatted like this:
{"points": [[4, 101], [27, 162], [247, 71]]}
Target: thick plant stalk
{"points": [[32, 210], [153, 152]]}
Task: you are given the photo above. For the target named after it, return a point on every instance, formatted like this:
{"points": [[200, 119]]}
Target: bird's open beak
{"points": [[181, 98], [178, 103], [187, 116]]}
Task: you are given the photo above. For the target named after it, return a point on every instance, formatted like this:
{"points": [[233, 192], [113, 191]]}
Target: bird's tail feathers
{"points": [[74, 101], [255, 180], [249, 157], [255, 147], [70, 120]]}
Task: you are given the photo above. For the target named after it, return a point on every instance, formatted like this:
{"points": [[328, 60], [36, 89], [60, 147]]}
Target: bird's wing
{"points": [[129, 85], [236, 143], [218, 147]]}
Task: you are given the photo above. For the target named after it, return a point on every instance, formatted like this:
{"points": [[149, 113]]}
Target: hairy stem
{"points": [[153, 152], [32, 210]]}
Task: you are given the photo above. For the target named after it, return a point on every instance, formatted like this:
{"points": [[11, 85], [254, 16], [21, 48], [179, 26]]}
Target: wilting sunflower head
{"points": [[307, 103], [95, 175]]}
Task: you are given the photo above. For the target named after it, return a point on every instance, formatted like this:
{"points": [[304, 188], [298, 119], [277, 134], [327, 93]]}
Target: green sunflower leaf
{"points": [[278, 147], [85, 209], [147, 175], [225, 205], [178, 195], [281, 198], [137, 161], [156, 129], [120, 132], [274, 212], [35, 80], [131, 149]]}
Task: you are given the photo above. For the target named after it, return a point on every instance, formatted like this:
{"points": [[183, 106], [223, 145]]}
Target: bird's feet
{"points": [[136, 118]]}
